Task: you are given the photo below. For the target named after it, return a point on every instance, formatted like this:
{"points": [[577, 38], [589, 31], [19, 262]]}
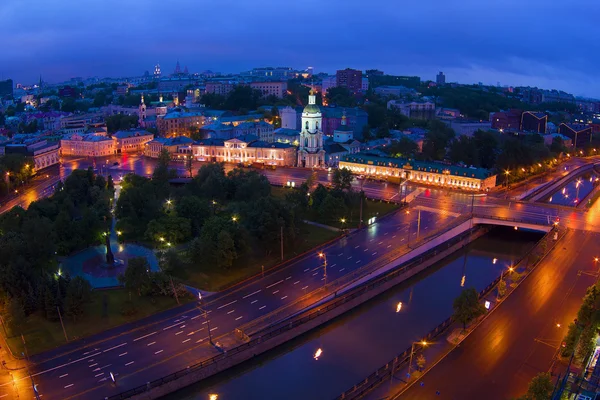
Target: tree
{"points": [[15, 316], [173, 228], [79, 292], [366, 133], [332, 208], [161, 172], [137, 275], [464, 150], [558, 145], [467, 307], [403, 147], [437, 140], [195, 209], [121, 122], [341, 96], [487, 146], [421, 361], [502, 288], [225, 251], [342, 179], [383, 131], [540, 387]]}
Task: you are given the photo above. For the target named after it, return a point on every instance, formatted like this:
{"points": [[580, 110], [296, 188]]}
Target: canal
{"points": [[357, 343], [577, 189]]}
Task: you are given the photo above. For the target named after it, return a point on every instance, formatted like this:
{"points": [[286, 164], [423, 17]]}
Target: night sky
{"points": [[549, 44]]}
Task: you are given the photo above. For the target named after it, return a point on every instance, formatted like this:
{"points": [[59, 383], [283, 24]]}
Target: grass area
{"points": [[593, 199], [371, 208], [41, 334], [215, 279]]}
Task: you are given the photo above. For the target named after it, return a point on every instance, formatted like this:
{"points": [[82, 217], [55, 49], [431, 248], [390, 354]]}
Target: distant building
{"points": [[179, 123], [327, 83], [468, 127], [131, 141], [349, 78], [6, 88], [175, 146], [429, 173], [222, 88], [397, 91], [286, 135], [548, 139], [534, 122], [67, 91], [274, 73], [506, 120], [373, 72], [579, 133], [356, 119], [556, 96], [310, 150], [268, 88], [43, 152], [416, 110], [447, 113], [365, 84], [244, 151], [440, 78], [87, 145]]}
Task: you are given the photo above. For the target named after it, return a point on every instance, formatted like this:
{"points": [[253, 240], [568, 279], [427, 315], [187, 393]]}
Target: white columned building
{"points": [[310, 149]]}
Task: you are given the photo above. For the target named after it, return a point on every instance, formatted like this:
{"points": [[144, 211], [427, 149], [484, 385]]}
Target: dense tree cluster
{"points": [[581, 336], [71, 219], [223, 216]]}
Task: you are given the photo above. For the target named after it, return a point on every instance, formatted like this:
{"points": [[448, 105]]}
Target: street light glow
{"points": [[318, 354], [321, 255], [399, 306], [162, 239], [234, 218], [213, 396]]}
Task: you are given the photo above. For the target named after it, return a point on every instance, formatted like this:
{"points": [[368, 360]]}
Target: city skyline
{"points": [[470, 42]]}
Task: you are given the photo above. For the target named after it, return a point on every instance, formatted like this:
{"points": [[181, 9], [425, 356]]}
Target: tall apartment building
{"points": [[350, 78], [222, 88], [440, 78]]}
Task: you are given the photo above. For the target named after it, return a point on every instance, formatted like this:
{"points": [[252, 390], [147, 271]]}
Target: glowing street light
{"points": [[399, 306], [234, 218], [423, 344], [318, 353], [213, 396], [324, 257], [119, 233], [162, 239]]}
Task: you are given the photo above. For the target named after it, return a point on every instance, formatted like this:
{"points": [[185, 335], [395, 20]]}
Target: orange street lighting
{"points": [[318, 354], [119, 233], [423, 343], [234, 218], [162, 239], [213, 396], [399, 306]]}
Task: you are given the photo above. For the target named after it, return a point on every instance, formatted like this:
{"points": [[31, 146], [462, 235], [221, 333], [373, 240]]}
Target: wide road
{"points": [[181, 340], [519, 339]]}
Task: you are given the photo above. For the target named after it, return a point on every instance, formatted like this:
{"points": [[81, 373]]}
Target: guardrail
{"points": [[294, 322], [386, 372]]}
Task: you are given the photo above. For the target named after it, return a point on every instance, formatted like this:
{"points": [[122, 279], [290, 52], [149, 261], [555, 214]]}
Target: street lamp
{"points": [[507, 173], [423, 344], [398, 306], [324, 257], [213, 396], [234, 218], [343, 221]]}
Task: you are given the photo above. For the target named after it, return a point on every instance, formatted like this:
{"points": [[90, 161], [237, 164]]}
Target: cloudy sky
{"points": [[544, 43]]}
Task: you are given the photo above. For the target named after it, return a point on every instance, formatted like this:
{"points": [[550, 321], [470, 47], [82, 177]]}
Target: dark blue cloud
{"points": [[550, 44]]}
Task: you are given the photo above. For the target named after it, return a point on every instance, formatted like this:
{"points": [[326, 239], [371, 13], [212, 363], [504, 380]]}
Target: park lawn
{"points": [[41, 334], [215, 279], [371, 208]]}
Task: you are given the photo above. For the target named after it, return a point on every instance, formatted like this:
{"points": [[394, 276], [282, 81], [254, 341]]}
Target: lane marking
{"points": [[158, 352], [180, 332], [93, 365], [251, 294], [315, 273], [262, 307], [304, 287], [186, 340], [200, 340], [393, 236], [144, 337], [380, 243], [225, 305], [276, 283], [122, 354], [253, 301], [389, 245], [365, 250], [150, 344], [331, 266], [197, 316], [102, 380], [192, 332], [62, 376], [170, 326], [216, 327], [100, 374], [297, 282], [349, 257], [68, 386], [340, 270], [238, 318], [374, 253], [307, 269], [357, 261], [356, 247], [289, 277], [284, 297], [277, 291], [229, 312], [129, 363]]}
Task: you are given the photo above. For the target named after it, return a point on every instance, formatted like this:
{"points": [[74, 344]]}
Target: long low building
{"points": [[430, 173]]}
